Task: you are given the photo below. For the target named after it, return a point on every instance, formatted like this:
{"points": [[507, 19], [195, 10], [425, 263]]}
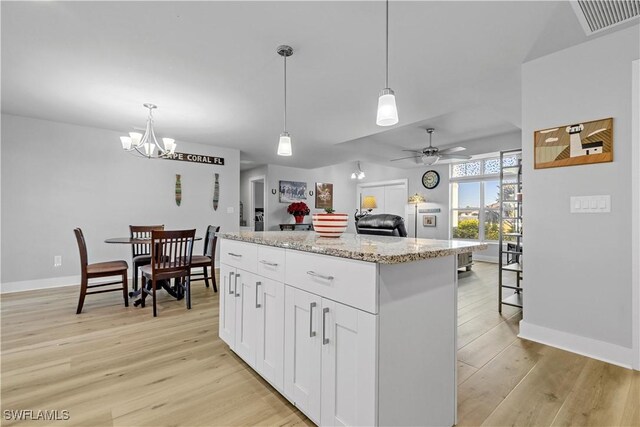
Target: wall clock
{"points": [[430, 179]]}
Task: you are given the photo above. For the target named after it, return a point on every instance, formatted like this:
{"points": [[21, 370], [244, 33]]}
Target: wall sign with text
{"points": [[197, 158]]}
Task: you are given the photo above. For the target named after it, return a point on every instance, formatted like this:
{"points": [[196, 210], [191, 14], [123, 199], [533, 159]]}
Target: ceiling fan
{"points": [[430, 155]]}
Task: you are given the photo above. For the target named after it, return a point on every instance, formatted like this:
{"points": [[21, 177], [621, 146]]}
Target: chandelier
{"points": [[147, 145]]}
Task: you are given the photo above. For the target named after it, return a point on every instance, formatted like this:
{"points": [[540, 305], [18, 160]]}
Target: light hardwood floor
{"points": [[119, 366]]}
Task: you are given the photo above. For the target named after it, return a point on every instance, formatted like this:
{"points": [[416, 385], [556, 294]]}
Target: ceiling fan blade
{"points": [[454, 156], [452, 150], [404, 158], [414, 151]]}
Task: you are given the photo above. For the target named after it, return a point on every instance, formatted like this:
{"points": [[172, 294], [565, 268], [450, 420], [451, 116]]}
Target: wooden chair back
{"points": [[82, 246], [171, 253], [210, 241], [142, 232]]}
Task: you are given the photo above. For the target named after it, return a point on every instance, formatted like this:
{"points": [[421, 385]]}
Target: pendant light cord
{"points": [[386, 77], [285, 93]]}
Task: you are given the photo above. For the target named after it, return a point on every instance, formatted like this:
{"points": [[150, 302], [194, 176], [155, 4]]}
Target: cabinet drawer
{"points": [[271, 262], [239, 254], [343, 280]]}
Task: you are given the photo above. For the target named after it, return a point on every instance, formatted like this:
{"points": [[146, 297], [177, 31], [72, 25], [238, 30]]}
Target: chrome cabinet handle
{"points": [[325, 340], [312, 333], [230, 290], [235, 255], [272, 264], [258, 305], [236, 285], [322, 276]]}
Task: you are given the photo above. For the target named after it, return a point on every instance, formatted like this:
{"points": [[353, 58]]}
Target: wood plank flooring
{"points": [[117, 366]]}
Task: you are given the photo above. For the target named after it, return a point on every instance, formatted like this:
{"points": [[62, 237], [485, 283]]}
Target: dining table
{"points": [[174, 290]]}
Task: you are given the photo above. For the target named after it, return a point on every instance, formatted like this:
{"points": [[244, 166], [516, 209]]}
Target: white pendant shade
{"points": [[135, 138], [126, 142], [169, 145], [387, 110], [284, 145]]}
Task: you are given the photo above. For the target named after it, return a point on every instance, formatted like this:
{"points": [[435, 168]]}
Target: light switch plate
{"points": [[590, 204]]}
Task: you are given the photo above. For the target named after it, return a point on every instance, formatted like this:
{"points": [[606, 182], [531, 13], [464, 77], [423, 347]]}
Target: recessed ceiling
{"points": [[213, 70]]}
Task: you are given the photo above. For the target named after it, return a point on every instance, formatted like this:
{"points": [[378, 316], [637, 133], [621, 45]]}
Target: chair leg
{"points": [[135, 277], [143, 290], [83, 293], [187, 291], [206, 277], [153, 290], [125, 288], [213, 279]]}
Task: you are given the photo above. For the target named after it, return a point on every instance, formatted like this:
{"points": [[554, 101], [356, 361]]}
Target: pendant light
{"points": [[387, 110], [284, 145]]}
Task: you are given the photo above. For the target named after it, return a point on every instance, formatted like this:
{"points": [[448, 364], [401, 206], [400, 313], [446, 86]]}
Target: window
{"points": [[475, 199]]}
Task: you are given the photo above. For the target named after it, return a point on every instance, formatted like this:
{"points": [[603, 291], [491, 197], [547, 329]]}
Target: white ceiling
{"points": [[212, 69]]}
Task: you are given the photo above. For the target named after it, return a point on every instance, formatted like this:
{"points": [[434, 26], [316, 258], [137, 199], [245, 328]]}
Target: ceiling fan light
{"points": [[429, 160], [387, 110], [126, 142], [284, 145]]}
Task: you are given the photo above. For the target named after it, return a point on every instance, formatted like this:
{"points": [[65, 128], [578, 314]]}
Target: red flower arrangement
{"points": [[298, 209]]}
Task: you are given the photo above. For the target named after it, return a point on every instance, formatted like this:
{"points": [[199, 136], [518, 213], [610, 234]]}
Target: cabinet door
{"points": [[270, 347], [246, 317], [302, 342], [227, 317], [348, 366]]}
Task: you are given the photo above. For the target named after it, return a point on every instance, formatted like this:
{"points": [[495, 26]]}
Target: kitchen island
{"points": [[356, 330]]}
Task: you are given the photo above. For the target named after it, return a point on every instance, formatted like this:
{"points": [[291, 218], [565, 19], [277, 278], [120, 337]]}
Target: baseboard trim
{"points": [[54, 282], [600, 350], [32, 285]]}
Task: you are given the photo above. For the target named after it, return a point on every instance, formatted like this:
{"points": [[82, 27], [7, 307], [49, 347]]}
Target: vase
{"points": [[330, 225], [299, 218]]}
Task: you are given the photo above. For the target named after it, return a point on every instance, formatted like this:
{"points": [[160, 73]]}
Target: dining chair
{"points": [[141, 253], [208, 259], [99, 269], [170, 259]]}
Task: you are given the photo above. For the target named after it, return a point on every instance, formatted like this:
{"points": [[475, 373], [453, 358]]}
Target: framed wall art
{"points": [[292, 191], [429, 221], [575, 144], [324, 195]]}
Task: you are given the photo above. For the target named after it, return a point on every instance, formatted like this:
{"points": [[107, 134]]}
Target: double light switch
{"points": [[590, 204]]}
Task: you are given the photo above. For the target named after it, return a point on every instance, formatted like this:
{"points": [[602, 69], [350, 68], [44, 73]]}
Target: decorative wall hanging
{"points": [[292, 191], [576, 144], [178, 190], [274, 191], [196, 158], [324, 195], [216, 191], [429, 220], [430, 210]]}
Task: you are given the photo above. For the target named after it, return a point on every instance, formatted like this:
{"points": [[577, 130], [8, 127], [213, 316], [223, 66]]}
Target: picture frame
{"points": [[429, 220], [324, 195], [292, 191], [580, 143]]}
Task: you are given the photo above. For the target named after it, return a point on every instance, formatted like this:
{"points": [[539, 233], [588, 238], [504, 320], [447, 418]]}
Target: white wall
{"points": [[578, 267], [56, 177]]}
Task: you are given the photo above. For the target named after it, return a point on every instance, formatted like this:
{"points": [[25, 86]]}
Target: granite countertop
{"points": [[380, 249]]}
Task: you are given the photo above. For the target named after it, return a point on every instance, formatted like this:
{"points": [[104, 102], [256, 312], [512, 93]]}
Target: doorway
{"points": [[257, 208]]}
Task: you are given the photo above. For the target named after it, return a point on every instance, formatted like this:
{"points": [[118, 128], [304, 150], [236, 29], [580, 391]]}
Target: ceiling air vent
{"points": [[599, 15]]}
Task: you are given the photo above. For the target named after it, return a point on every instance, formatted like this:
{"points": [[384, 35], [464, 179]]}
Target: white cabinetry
{"points": [[252, 309], [348, 342]]}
